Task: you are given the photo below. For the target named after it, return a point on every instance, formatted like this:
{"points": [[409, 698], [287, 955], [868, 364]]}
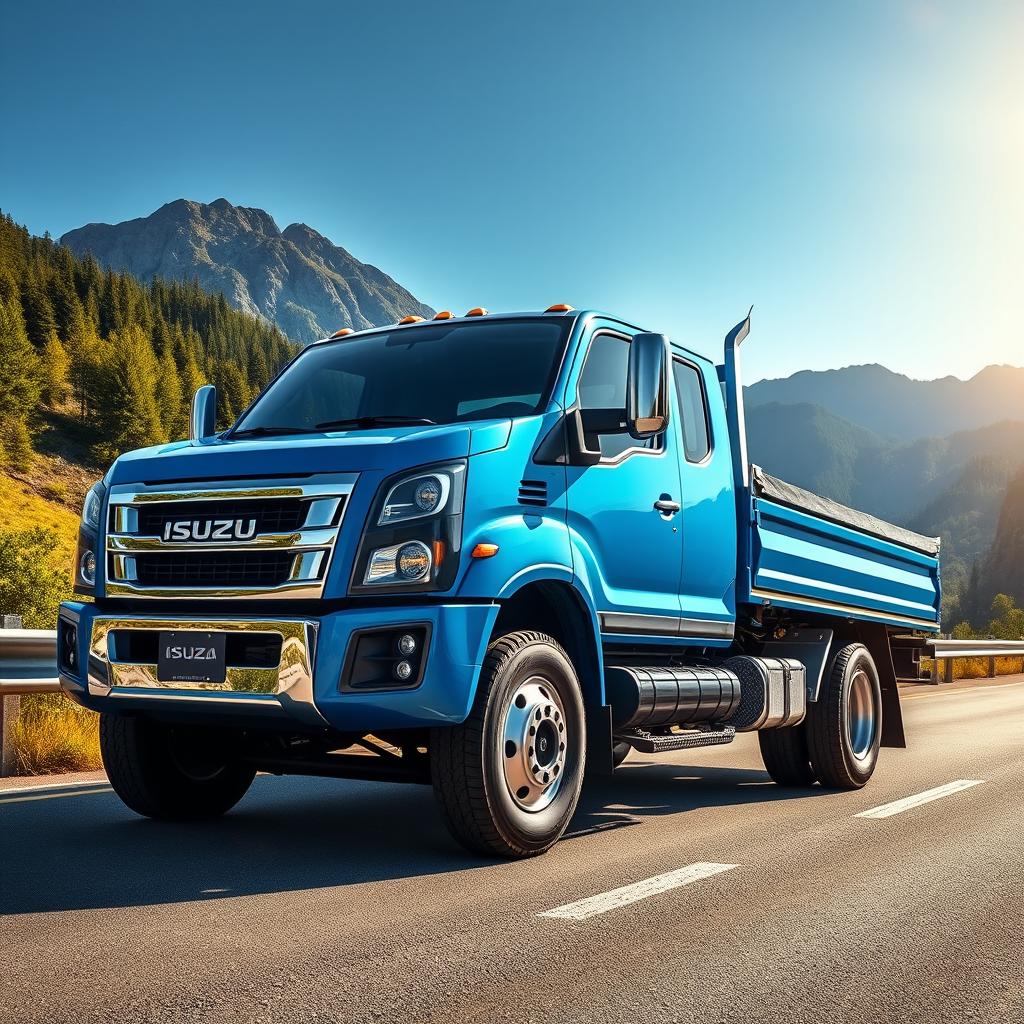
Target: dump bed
{"points": [[807, 552]]}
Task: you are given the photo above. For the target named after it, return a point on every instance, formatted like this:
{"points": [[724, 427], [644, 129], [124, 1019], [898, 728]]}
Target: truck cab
{"points": [[489, 553]]}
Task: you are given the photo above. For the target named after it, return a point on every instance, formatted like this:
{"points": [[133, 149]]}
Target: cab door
{"points": [[708, 514], [623, 512]]}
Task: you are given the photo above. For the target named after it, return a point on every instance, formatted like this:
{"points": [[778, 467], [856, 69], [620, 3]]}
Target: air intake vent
{"points": [[533, 492]]}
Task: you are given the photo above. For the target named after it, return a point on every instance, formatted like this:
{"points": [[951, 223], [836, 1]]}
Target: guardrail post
{"points": [[10, 708], [947, 676], [991, 667]]}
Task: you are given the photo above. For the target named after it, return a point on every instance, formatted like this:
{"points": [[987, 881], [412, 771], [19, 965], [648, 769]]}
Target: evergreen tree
{"points": [[127, 412], [170, 399], [55, 373], [38, 311], [19, 385], [232, 392]]}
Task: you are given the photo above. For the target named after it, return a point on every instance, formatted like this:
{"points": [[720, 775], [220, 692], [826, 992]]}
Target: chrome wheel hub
{"points": [[534, 744], [861, 715]]}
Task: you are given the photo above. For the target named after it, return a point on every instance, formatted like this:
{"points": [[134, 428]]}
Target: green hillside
{"points": [[95, 363]]}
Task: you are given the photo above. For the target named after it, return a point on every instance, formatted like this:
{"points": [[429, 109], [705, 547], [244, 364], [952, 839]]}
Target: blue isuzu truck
{"points": [[488, 553]]}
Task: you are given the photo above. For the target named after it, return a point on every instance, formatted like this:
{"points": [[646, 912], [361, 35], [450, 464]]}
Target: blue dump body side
{"points": [[803, 561]]}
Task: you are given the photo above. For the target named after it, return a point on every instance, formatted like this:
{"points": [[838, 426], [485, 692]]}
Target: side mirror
{"points": [[647, 387], [203, 422]]}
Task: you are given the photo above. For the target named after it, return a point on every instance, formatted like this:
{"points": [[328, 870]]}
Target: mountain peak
{"points": [[296, 279]]}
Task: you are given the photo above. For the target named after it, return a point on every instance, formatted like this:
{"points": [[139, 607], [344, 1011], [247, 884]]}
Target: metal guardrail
{"points": [[28, 661], [947, 651]]}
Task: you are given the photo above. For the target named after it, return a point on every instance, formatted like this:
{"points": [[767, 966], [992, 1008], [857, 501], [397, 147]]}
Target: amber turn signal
{"points": [[485, 551]]}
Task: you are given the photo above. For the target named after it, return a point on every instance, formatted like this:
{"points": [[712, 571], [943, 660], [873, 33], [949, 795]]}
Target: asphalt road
{"points": [[318, 900]]}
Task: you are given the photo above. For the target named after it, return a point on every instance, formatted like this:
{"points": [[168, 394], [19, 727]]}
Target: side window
{"points": [[692, 411], [603, 386]]}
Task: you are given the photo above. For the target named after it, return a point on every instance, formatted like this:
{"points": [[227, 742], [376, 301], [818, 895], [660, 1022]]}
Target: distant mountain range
{"points": [[897, 407], [294, 278], [954, 483]]}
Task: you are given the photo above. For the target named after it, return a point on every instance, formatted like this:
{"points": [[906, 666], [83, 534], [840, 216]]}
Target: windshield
{"points": [[425, 374]]}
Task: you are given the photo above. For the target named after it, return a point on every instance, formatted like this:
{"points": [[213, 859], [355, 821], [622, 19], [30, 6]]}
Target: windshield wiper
{"points": [[377, 421], [267, 431]]}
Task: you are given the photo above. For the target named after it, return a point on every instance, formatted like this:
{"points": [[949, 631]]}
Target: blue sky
{"points": [[854, 170]]}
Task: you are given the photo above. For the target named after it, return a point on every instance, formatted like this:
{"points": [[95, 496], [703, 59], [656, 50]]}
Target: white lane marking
{"points": [[887, 810], [53, 787], [605, 901]]}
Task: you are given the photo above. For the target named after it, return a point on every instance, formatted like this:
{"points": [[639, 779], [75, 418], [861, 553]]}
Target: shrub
{"points": [[54, 735]]}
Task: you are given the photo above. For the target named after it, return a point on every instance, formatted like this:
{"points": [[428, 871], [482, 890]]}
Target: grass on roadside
{"points": [[977, 668], [53, 735]]}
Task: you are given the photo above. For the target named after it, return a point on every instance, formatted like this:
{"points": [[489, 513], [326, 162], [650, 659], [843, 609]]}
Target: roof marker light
{"points": [[342, 333], [477, 311], [410, 320], [445, 314], [559, 307]]}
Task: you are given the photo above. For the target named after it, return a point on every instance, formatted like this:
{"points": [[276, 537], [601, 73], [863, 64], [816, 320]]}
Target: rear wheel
{"points": [[844, 726], [172, 773], [508, 779], [785, 756]]}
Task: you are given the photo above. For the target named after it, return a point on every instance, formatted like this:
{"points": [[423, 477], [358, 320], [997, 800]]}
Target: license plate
{"points": [[191, 657]]}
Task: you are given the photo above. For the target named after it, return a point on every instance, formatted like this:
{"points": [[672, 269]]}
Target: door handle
{"points": [[666, 506]]}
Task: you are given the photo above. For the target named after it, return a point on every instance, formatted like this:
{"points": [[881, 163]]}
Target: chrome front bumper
{"points": [[286, 687]]}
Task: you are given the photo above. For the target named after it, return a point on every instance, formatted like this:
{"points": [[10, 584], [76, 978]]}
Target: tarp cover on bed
{"points": [[767, 486]]}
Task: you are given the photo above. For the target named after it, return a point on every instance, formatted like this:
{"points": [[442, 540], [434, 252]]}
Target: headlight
{"points": [[92, 505], [416, 497], [414, 532], [87, 555]]}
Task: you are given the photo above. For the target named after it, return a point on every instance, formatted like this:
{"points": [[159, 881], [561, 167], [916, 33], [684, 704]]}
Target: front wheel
{"points": [[844, 725], [167, 772], [509, 778]]}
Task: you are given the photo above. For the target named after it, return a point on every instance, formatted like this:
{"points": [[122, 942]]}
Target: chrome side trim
{"points": [[325, 498], [287, 686], [771, 597], [637, 624]]}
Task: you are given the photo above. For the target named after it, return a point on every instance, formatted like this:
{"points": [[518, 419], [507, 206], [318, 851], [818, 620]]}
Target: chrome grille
{"points": [[208, 540]]}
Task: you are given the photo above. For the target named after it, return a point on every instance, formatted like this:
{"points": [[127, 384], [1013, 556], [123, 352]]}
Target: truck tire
{"points": [[168, 773], [844, 725], [508, 778], [785, 756]]}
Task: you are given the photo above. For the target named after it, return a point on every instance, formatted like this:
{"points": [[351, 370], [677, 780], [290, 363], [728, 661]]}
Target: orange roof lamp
{"points": [[445, 314], [477, 311], [342, 333], [559, 307], [410, 320]]}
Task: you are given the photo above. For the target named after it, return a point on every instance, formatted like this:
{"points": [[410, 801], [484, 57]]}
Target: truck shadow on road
{"points": [[86, 851]]}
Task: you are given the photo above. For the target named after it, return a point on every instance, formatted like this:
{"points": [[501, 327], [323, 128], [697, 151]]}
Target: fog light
{"points": [[87, 567], [406, 644], [403, 670], [413, 560]]}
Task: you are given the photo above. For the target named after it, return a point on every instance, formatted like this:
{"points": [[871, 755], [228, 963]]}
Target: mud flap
{"points": [[600, 763]]}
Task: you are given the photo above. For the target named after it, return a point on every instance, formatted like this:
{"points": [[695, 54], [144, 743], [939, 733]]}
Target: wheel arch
{"points": [[560, 609]]}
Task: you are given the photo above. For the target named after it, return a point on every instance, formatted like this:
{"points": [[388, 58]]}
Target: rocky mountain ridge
{"points": [[295, 278]]}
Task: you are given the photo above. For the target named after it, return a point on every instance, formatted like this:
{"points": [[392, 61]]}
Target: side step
{"points": [[649, 743]]}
